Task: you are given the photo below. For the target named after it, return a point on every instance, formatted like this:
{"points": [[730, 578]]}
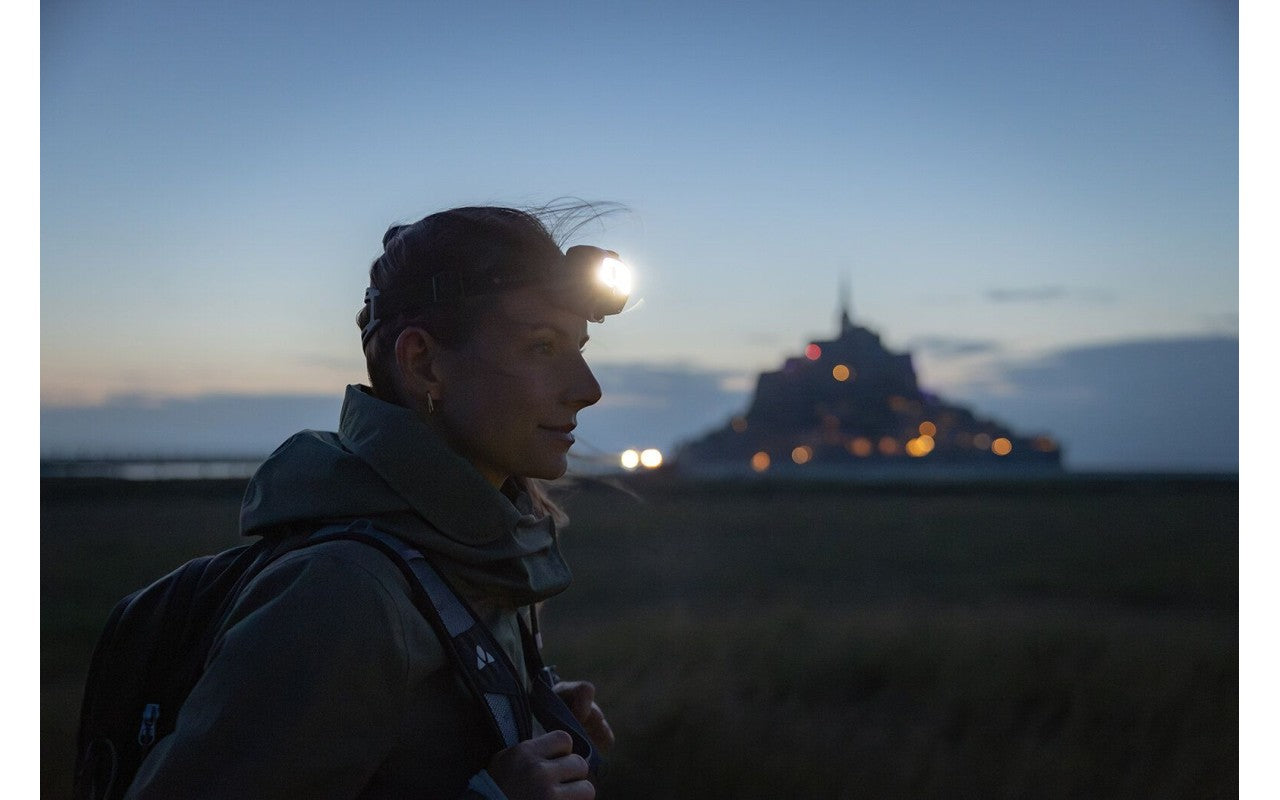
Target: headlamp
{"points": [[594, 282], [598, 282]]}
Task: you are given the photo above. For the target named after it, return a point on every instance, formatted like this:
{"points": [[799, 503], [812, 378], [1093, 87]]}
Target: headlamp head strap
{"points": [[594, 292]]}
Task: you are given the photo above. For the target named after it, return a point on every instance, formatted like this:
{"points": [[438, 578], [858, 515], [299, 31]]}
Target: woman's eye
{"points": [[545, 347]]}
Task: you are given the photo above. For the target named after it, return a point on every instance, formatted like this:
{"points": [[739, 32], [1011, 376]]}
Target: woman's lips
{"points": [[563, 433]]}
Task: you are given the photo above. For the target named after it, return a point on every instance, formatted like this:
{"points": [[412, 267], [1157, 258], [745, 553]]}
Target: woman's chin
{"points": [[550, 469]]}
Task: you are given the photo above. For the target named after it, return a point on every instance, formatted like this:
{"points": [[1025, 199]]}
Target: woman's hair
{"points": [[461, 243]]}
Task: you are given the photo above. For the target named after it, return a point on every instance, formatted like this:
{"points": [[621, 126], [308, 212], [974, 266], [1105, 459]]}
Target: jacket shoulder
{"points": [[340, 589]]}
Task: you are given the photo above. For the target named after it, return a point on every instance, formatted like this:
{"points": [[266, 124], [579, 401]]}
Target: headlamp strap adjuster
{"points": [[370, 295]]}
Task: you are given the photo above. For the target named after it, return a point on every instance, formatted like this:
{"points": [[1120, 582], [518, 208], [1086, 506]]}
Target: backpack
{"points": [[153, 649]]}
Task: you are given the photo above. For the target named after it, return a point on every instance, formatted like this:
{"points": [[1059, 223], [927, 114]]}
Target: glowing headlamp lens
{"points": [[597, 280], [615, 275]]}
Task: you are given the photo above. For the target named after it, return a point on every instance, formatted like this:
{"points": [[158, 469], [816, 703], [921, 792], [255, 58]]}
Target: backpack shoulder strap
{"points": [[477, 656], [547, 706]]}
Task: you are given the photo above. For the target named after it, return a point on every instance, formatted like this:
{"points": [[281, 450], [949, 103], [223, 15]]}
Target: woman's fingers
{"points": [[580, 696]]}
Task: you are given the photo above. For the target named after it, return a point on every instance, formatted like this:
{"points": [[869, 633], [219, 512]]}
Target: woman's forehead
{"points": [[538, 306]]}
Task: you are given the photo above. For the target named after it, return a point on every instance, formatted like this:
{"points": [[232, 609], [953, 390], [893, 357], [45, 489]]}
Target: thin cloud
{"points": [[1048, 294], [952, 347], [1033, 294]]}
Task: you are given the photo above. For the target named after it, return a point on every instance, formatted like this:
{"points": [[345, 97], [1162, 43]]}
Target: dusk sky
{"points": [[1038, 200]]}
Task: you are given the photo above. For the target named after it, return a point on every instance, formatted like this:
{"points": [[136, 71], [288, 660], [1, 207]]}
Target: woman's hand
{"points": [[542, 768], [580, 697]]}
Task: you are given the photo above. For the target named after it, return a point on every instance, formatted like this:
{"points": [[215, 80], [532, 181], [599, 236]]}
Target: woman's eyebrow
{"points": [[564, 333], [543, 327]]}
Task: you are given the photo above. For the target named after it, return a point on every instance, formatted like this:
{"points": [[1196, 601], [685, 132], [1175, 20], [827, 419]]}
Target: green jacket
{"points": [[326, 681]]}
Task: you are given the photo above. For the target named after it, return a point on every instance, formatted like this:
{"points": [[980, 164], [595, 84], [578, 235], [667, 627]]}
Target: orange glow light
{"points": [[888, 445], [813, 352], [802, 454], [927, 428], [739, 424], [840, 372], [760, 461], [861, 447], [920, 446], [1002, 446]]}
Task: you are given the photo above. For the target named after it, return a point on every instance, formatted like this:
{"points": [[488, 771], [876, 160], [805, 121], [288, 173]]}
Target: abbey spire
{"points": [[846, 304]]}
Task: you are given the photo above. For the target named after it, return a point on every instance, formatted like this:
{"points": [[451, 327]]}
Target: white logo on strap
{"points": [[483, 659]]}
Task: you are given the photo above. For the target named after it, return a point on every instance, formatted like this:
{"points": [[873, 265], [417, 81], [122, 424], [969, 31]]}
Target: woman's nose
{"points": [[585, 389]]}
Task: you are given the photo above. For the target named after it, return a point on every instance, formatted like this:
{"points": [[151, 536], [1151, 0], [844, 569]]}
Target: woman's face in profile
{"points": [[509, 397]]}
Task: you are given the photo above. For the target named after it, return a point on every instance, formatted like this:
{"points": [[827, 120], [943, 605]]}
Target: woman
{"points": [[326, 681]]}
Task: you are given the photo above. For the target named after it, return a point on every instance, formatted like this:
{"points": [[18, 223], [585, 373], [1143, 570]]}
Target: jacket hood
{"points": [[386, 465]]}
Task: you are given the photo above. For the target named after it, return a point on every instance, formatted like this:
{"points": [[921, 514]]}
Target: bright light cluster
{"points": [[649, 458], [863, 447], [920, 446]]}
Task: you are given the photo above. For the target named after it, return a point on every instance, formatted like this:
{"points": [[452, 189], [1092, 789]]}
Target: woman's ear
{"points": [[416, 361]]}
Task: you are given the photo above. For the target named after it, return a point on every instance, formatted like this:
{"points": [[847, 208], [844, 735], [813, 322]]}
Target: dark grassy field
{"points": [[1030, 640]]}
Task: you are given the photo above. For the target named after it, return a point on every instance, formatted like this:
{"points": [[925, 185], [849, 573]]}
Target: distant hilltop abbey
{"points": [[849, 406]]}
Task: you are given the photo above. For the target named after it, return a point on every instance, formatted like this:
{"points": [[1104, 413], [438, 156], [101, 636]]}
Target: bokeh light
{"points": [[927, 428], [981, 440], [888, 446], [899, 404], [813, 352], [630, 459], [760, 461], [861, 447], [651, 458], [840, 372], [920, 446], [739, 424], [1002, 446], [802, 454]]}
